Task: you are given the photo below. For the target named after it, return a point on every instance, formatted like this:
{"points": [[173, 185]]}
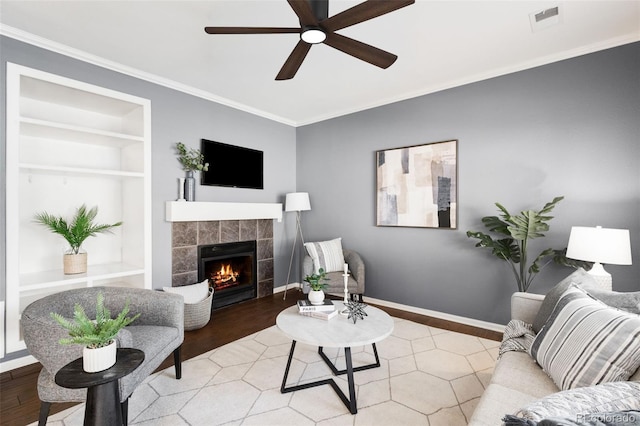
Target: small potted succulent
{"points": [[97, 336], [80, 228], [317, 282]]}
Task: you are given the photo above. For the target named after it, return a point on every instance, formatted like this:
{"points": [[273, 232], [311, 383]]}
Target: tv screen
{"points": [[232, 166]]}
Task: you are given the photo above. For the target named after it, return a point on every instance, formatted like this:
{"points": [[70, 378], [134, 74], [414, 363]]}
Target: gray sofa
{"points": [[158, 332], [517, 379]]}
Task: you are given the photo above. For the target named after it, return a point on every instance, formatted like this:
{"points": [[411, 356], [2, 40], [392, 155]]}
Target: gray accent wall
{"points": [[570, 128]]}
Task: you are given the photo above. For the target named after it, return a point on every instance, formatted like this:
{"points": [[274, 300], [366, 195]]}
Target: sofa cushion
{"points": [[497, 400], [606, 397], [579, 277], [193, 293], [326, 255], [585, 342], [519, 372]]}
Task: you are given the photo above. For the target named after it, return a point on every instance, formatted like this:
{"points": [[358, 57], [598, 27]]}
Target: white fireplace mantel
{"points": [[192, 211]]}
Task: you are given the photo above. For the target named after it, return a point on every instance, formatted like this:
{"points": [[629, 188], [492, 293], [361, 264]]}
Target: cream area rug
{"points": [[427, 376]]}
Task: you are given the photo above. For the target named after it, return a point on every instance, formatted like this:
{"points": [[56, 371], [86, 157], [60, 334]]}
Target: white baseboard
{"points": [[441, 315], [17, 363]]}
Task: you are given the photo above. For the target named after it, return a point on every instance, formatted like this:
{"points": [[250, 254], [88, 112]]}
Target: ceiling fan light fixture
{"points": [[313, 35]]}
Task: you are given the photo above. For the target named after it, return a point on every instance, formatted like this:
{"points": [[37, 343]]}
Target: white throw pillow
{"points": [[193, 293], [585, 342], [326, 255]]}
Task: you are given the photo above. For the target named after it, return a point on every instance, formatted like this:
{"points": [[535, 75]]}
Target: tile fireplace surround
{"points": [[187, 236], [204, 223]]}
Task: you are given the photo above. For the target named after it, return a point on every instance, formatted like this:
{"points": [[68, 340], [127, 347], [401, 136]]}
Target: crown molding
{"points": [[81, 55]]}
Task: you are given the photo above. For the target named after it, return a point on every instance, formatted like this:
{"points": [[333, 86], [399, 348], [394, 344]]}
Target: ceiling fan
{"points": [[317, 27]]}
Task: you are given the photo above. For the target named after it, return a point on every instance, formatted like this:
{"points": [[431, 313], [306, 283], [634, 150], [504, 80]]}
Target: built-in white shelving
{"points": [[71, 143]]}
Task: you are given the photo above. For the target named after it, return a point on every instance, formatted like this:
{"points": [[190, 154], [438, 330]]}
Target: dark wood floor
{"points": [[19, 403]]}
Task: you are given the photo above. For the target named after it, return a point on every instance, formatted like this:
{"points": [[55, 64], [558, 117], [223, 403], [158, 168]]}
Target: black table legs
{"points": [[349, 402], [101, 400]]}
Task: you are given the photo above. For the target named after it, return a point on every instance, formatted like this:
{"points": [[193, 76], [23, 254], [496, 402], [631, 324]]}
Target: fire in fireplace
{"points": [[231, 268]]}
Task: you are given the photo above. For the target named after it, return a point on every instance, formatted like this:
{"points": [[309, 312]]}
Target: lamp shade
{"points": [[602, 245], [297, 202]]}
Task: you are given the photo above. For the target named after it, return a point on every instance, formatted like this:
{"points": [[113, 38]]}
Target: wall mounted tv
{"points": [[232, 166]]}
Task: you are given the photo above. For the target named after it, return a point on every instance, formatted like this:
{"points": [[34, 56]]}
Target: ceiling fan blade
{"points": [[304, 12], [363, 12], [249, 30], [293, 62], [365, 52]]}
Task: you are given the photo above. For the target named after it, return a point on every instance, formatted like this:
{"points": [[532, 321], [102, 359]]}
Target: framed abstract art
{"points": [[417, 186]]}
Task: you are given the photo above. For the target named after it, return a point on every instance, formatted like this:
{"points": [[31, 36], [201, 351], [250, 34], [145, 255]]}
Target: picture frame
{"points": [[417, 186]]}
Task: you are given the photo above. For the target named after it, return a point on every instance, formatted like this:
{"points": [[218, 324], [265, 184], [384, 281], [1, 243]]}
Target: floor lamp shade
{"points": [[297, 202], [601, 246]]}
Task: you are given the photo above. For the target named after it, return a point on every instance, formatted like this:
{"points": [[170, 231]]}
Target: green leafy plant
{"points": [[191, 159], [79, 229], [94, 333], [317, 281], [513, 248]]}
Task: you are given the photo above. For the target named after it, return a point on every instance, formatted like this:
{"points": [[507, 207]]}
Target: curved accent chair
{"points": [[158, 332], [335, 285]]}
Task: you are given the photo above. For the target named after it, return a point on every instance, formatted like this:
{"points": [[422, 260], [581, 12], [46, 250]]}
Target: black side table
{"points": [[103, 393]]}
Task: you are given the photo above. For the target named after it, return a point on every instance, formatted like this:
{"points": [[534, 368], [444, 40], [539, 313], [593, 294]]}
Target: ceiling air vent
{"points": [[545, 18]]}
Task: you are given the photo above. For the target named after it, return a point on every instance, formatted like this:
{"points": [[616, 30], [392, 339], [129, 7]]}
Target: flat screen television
{"points": [[232, 166]]}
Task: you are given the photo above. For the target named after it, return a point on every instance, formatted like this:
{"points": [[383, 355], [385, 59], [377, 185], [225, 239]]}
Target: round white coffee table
{"points": [[338, 332]]}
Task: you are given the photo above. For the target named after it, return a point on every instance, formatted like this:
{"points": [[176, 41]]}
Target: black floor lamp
{"points": [[295, 202]]}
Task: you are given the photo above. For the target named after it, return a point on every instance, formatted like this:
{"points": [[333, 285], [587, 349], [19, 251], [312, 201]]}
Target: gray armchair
{"points": [[355, 284], [158, 332]]}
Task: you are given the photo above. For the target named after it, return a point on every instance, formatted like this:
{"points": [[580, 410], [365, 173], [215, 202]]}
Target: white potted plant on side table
{"points": [[97, 336], [317, 282]]}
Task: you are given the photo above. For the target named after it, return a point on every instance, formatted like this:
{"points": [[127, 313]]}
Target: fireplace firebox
{"points": [[231, 269]]}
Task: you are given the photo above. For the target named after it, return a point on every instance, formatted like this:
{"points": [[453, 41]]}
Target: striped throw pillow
{"points": [[326, 255], [585, 342]]}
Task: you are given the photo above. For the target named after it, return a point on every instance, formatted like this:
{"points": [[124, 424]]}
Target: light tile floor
{"points": [[427, 376]]}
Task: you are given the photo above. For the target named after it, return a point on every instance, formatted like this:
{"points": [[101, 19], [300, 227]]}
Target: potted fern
{"points": [[76, 231], [97, 336], [317, 282]]}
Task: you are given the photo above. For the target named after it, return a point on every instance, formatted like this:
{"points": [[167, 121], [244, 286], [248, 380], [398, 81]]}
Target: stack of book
{"points": [[326, 311]]}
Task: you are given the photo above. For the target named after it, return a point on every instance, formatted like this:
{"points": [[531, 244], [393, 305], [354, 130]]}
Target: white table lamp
{"points": [[601, 246], [295, 202]]}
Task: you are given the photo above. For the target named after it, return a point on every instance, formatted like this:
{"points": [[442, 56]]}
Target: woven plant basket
{"points": [[197, 315], [75, 263]]}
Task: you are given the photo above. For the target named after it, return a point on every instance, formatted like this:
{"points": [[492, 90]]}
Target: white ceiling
{"points": [[440, 44]]}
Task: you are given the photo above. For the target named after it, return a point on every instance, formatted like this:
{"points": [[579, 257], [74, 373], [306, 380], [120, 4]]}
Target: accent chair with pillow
{"points": [[158, 332], [330, 256], [566, 358]]}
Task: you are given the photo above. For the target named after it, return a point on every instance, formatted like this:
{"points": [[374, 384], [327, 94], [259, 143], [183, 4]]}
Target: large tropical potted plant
{"points": [[76, 231], [516, 231], [317, 282], [97, 336]]}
